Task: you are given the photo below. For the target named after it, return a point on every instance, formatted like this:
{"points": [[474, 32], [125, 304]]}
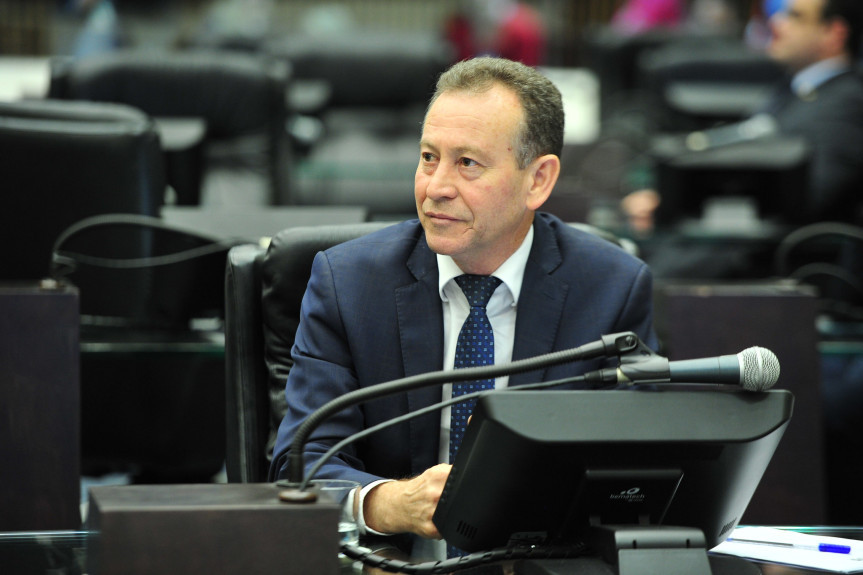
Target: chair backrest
{"points": [[157, 276], [367, 69], [64, 161], [614, 56], [696, 86], [263, 293], [829, 256], [237, 95]]}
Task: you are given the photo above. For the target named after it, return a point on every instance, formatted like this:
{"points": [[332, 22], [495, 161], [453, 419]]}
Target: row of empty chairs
{"points": [[118, 136]]}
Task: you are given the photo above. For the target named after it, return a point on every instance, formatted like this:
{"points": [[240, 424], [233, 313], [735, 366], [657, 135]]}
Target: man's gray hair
{"points": [[541, 131]]}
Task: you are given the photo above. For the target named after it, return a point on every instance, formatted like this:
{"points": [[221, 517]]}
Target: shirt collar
{"points": [[510, 272], [810, 78]]}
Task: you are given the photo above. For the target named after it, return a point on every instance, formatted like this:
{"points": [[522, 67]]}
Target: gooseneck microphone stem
{"points": [[608, 345], [332, 451]]}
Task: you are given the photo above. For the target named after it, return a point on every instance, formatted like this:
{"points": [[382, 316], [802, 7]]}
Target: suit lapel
{"points": [[420, 319], [540, 304]]}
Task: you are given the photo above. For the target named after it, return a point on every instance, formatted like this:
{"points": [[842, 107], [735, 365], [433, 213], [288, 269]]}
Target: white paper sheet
{"points": [[793, 548]]}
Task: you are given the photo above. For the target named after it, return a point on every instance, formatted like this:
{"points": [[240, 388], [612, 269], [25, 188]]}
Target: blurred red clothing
{"points": [[640, 15], [520, 36]]}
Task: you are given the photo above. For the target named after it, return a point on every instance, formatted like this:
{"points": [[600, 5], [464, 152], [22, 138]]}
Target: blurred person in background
{"points": [[101, 31], [714, 16], [757, 30], [636, 16], [818, 42], [502, 28]]}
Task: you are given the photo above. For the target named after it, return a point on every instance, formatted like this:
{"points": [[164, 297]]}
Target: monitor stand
{"points": [[643, 550]]}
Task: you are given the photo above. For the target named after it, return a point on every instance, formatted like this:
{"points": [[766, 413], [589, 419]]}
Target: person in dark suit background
{"points": [[819, 42], [388, 305]]}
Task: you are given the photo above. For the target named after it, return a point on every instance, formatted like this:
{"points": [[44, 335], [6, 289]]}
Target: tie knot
{"points": [[478, 289]]}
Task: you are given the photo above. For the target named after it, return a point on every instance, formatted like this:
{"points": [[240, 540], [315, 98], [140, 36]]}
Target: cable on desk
{"points": [[368, 557]]}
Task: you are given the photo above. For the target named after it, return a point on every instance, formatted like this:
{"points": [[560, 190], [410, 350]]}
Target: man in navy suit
{"points": [[387, 305]]}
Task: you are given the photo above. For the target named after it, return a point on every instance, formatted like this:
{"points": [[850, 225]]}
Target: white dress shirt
{"points": [[806, 81], [501, 311]]}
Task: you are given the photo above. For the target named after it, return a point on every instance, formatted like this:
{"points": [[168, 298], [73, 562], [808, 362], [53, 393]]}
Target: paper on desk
{"points": [[778, 551]]}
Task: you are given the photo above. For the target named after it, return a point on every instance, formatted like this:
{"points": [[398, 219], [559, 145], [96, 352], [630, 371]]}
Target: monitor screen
{"points": [[542, 467]]}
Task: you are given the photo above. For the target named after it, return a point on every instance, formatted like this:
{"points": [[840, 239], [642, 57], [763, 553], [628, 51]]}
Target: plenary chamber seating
{"points": [[60, 162], [65, 161], [221, 116], [85, 181], [364, 93], [698, 85]]}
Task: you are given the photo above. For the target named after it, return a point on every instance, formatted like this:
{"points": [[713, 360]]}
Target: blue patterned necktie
{"points": [[475, 347]]}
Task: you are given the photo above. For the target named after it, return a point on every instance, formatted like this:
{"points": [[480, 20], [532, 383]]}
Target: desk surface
{"points": [[65, 552], [255, 223]]}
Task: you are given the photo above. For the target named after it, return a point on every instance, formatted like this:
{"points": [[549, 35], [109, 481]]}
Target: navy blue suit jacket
{"points": [[372, 313], [831, 120]]}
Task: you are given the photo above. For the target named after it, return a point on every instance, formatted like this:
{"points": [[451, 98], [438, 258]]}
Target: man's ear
{"points": [[543, 176]]}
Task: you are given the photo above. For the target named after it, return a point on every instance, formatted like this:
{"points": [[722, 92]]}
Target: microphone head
{"points": [[759, 368]]}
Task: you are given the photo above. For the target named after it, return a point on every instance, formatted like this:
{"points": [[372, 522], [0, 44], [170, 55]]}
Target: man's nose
{"points": [[442, 184]]}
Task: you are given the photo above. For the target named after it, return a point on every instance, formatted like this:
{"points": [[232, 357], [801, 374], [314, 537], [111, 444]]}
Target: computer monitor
{"points": [[759, 180], [544, 467]]}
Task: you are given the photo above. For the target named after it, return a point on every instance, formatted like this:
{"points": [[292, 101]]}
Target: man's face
{"points": [[472, 199], [799, 34]]}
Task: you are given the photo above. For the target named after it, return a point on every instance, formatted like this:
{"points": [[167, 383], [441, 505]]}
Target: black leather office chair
{"points": [[263, 293], [829, 256], [240, 98], [70, 166], [697, 85], [614, 56], [65, 161]]}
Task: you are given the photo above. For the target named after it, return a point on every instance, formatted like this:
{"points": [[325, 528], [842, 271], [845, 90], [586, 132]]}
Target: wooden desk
{"points": [[39, 408]]}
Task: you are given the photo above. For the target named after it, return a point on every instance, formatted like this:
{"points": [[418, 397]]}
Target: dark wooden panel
{"points": [[709, 320], [39, 409]]}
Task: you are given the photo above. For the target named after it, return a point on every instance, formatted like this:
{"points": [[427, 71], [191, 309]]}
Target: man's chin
{"points": [[441, 246], [446, 242]]}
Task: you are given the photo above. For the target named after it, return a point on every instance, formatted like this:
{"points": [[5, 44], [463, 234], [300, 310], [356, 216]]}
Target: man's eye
{"points": [[467, 162], [427, 156]]}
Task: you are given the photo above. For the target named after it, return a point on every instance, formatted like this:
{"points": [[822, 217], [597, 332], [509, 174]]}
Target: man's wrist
{"points": [[360, 508]]}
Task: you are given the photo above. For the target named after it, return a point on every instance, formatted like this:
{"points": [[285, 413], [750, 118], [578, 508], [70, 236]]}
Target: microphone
{"points": [[754, 369], [607, 345], [758, 126]]}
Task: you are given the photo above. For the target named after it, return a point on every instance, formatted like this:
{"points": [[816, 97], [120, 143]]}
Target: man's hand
{"points": [[407, 505]]}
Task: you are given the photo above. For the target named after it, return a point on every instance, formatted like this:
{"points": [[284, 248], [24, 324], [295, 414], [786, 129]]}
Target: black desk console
{"points": [[208, 528]]}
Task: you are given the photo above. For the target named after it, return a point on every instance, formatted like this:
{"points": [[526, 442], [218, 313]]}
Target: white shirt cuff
{"points": [[361, 521]]}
